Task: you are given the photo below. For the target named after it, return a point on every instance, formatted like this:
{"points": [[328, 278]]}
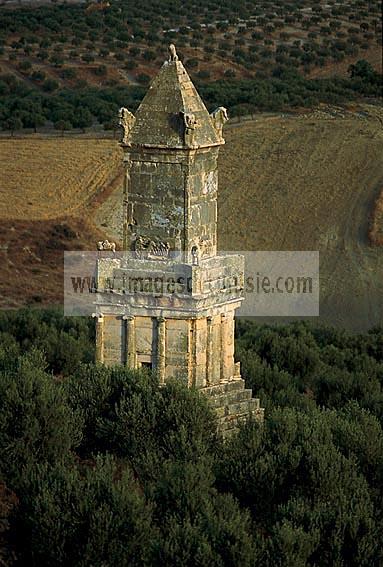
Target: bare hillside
{"points": [[43, 178], [310, 184]]}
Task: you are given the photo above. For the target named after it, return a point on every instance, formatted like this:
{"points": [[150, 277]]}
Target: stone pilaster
{"points": [[161, 348], [223, 328], [130, 338], [99, 337], [193, 353], [227, 346], [209, 351]]}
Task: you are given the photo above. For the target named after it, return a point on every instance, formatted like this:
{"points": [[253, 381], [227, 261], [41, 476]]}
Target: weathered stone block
{"points": [[176, 341]]}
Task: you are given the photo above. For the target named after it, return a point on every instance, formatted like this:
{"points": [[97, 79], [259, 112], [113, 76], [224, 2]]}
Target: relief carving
{"points": [[106, 245], [189, 122], [150, 248]]}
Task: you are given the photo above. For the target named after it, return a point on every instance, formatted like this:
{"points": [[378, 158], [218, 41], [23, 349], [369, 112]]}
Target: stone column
{"points": [[223, 328], [99, 337], [130, 341], [231, 370], [193, 354], [161, 348], [209, 352]]}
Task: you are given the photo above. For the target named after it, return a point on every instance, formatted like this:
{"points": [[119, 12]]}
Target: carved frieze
{"points": [[150, 248]]}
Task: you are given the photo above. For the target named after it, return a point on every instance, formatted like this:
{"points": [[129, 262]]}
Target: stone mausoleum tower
{"points": [[168, 301]]}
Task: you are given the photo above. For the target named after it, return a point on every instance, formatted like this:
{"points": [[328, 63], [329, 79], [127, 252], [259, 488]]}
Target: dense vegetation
{"points": [[23, 107], [102, 467], [74, 65]]}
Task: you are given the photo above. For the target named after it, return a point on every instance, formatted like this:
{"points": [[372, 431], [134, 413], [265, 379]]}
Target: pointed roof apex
{"points": [[172, 114]]}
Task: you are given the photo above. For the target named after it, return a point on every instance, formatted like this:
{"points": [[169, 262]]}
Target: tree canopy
{"points": [[101, 466]]}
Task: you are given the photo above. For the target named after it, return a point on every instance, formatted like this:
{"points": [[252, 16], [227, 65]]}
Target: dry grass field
{"points": [[48, 190], [47, 178], [286, 183], [310, 184]]}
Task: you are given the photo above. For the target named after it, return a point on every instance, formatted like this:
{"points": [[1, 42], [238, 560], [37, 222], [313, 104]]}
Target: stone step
{"points": [[224, 387], [233, 404], [238, 408], [230, 397], [233, 409], [229, 423]]}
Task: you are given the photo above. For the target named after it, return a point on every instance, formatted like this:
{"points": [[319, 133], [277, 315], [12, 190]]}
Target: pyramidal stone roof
{"points": [[172, 114]]}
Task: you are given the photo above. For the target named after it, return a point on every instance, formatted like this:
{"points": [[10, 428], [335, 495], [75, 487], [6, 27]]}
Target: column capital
{"points": [[98, 316]]}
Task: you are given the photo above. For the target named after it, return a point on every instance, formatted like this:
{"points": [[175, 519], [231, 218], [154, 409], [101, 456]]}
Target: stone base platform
{"points": [[233, 404]]}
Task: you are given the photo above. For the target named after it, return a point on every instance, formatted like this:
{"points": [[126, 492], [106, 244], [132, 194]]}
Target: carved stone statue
{"points": [[126, 121], [219, 117], [106, 245], [190, 123], [172, 53], [148, 248]]}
